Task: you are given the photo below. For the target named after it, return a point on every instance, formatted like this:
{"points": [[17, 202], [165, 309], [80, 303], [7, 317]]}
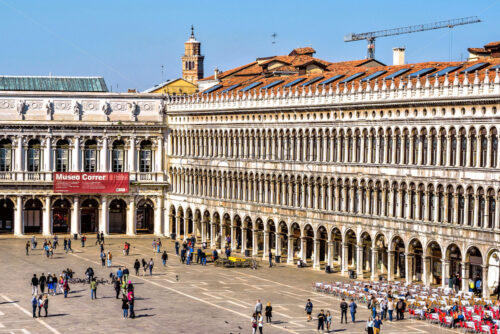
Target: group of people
{"points": [[123, 285], [186, 252], [257, 318], [48, 246], [325, 319], [145, 266], [55, 285]]}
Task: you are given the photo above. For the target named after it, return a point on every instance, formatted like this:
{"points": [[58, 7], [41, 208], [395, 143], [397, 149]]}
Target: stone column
{"points": [[47, 217], [277, 249], [19, 155], [75, 216], [159, 155], [343, 261], [304, 249], [233, 237], [409, 267], [185, 227], [374, 264], [390, 265], [394, 150], [104, 155], [243, 240], [329, 260], [265, 248], [316, 248], [18, 217], [204, 231], [178, 227], [426, 271], [255, 246], [104, 216], [359, 261], [475, 222], [370, 147], [131, 217], [486, 288], [48, 155], [212, 235], [290, 249], [76, 154], [444, 272], [158, 223], [465, 280]]}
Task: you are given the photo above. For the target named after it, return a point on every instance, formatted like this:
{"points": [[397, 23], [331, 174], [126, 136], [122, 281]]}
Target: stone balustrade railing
{"points": [[416, 89]]}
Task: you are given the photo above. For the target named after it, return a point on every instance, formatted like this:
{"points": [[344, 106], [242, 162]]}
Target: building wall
{"points": [[177, 87], [400, 182], [48, 132]]}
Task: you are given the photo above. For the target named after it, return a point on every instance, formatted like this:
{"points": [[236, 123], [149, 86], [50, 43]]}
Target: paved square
{"points": [[203, 300]]}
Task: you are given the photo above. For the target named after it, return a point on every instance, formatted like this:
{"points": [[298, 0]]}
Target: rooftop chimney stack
{"points": [[216, 73], [398, 56]]}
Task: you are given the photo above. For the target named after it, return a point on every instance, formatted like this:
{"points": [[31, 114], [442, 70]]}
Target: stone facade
{"points": [[400, 181]]}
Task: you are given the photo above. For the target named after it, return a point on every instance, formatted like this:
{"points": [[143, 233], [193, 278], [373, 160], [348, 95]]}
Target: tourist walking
{"points": [[42, 281], [255, 322], [126, 274], [269, 312], [151, 265], [131, 301], [343, 311], [34, 285], [65, 244], [321, 321], [258, 307], [93, 289], [376, 325], [390, 308], [270, 259], [97, 238], [125, 306], [177, 246], [34, 242], [27, 247], [117, 288], [328, 321], [309, 309], [34, 305], [144, 267], [260, 321], [164, 258], [45, 304], [69, 246], [40, 305], [137, 265], [352, 308], [66, 288], [83, 239], [110, 259], [103, 259], [50, 283], [102, 238], [369, 325]]}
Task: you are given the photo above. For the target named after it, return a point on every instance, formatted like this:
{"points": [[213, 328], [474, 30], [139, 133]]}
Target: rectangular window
{"points": [[145, 161], [90, 164], [117, 161], [33, 159], [5, 159], [62, 160]]}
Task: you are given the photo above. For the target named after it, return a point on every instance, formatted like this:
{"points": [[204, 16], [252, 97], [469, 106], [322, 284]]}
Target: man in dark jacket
{"points": [[34, 285], [42, 282], [343, 311], [117, 288], [137, 265]]}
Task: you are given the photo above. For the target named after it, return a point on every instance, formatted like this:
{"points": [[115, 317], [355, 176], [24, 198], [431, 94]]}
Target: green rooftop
{"points": [[53, 84]]}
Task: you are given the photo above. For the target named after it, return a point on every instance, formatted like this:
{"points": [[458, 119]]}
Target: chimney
{"points": [[398, 56], [216, 74]]}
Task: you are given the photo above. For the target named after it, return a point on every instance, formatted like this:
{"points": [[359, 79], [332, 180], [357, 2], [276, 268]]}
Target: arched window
{"points": [[470, 209], [145, 157], [434, 148], [461, 207], [398, 148], [118, 156], [453, 153], [423, 154], [62, 156], [482, 208], [491, 208], [416, 148], [5, 155], [389, 148], [463, 147], [473, 148], [406, 148], [358, 147], [494, 148], [444, 147], [381, 143], [34, 152], [484, 147]]}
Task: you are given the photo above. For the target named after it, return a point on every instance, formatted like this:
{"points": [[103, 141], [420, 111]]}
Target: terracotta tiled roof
{"points": [[478, 50], [492, 45], [289, 71], [302, 51]]}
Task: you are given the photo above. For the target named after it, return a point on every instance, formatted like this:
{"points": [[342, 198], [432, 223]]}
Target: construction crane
{"points": [[370, 36]]}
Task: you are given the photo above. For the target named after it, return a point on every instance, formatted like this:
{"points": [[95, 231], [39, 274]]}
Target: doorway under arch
{"points": [[145, 217], [6, 216], [89, 216], [117, 216]]}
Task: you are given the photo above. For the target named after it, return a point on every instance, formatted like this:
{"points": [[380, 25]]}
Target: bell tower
{"points": [[192, 61]]}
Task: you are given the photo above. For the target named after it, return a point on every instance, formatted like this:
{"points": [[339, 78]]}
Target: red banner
{"points": [[87, 183]]}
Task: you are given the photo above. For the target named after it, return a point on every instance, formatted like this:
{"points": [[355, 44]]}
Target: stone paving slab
{"points": [[202, 300]]}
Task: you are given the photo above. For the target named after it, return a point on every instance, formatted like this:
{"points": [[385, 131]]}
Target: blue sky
{"points": [[128, 41]]}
